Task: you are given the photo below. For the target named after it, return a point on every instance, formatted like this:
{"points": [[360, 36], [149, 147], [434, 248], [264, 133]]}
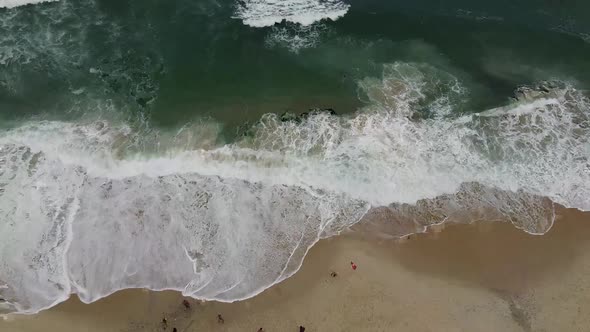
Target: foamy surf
{"points": [[86, 211], [18, 3], [262, 13]]}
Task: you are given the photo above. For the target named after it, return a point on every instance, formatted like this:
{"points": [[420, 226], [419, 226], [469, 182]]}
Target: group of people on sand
{"points": [[220, 319], [301, 329]]}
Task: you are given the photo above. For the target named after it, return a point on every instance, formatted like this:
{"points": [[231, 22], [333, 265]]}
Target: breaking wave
{"points": [[90, 208], [261, 13], [18, 3]]}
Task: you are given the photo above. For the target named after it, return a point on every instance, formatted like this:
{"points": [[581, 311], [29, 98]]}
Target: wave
{"points": [[211, 238], [262, 13], [92, 208], [18, 3]]}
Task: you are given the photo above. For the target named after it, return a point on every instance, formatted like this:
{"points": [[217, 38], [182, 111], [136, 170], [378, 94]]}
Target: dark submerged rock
{"points": [[288, 116], [545, 89]]}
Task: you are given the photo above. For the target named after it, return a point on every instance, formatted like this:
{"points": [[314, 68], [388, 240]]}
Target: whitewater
{"points": [[261, 13], [18, 3], [87, 212]]}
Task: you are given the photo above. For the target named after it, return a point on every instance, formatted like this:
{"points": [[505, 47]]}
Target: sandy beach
{"points": [[487, 276]]}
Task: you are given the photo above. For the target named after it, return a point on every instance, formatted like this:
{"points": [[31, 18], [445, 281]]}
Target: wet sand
{"points": [[487, 276]]}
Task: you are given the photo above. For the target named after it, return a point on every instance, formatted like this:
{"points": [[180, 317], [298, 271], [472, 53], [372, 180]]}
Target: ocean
{"points": [[205, 145]]}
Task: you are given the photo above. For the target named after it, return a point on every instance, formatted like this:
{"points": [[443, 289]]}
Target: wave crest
{"points": [[18, 3], [261, 13]]}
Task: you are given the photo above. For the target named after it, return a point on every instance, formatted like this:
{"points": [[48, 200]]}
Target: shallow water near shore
{"points": [[459, 275]]}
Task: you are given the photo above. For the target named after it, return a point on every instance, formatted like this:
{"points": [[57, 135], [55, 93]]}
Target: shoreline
{"points": [[459, 277], [378, 223]]}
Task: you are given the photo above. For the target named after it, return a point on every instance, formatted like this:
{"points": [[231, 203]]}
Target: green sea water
{"points": [[177, 61]]}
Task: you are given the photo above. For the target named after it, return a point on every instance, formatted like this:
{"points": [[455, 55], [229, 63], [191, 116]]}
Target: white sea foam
{"points": [[83, 213], [261, 13], [207, 236], [295, 37], [18, 3]]}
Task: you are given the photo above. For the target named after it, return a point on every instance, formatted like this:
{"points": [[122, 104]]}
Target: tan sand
{"points": [[483, 277]]}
